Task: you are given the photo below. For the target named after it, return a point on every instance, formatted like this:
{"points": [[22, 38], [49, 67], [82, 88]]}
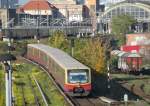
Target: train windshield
{"points": [[78, 76]]}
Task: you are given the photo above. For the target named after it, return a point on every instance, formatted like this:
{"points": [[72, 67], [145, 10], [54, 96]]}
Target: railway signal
{"points": [[108, 75], [6, 60]]}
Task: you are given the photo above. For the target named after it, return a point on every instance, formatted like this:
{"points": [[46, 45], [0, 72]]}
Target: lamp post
{"points": [[6, 60], [38, 16], [38, 34]]}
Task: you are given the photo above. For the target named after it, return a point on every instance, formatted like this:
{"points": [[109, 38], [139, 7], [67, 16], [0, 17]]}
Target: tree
{"points": [[93, 55], [58, 40], [120, 26], [3, 47], [88, 51]]}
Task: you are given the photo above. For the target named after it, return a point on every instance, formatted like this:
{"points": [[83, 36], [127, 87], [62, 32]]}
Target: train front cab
{"points": [[78, 82]]}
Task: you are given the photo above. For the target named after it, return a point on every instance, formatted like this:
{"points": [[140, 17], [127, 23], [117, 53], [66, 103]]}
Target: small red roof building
{"points": [[36, 5]]}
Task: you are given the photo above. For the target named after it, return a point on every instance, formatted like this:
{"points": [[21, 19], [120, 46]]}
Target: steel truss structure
{"points": [[139, 10], [39, 22]]}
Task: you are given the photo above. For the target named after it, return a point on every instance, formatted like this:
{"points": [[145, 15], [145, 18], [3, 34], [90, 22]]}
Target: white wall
{"points": [[40, 12]]}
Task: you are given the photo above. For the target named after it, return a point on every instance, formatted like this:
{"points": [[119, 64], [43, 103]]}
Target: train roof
{"points": [[62, 58]]}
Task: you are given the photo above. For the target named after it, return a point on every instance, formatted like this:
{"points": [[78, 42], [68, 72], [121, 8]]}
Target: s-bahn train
{"points": [[72, 76]]}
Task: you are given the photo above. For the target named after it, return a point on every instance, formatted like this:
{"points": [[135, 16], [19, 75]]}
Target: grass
{"points": [[23, 77], [22, 86], [140, 82], [50, 92], [2, 88], [137, 80]]}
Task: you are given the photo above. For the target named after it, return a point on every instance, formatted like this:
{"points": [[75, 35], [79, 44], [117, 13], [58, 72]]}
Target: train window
{"points": [[30, 50], [35, 52], [78, 76], [45, 58]]}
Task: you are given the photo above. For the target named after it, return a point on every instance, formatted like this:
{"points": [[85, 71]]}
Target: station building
{"points": [[139, 9], [72, 12], [46, 11], [41, 7]]}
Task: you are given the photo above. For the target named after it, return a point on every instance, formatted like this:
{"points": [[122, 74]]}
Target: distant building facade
{"points": [[139, 43], [35, 7], [139, 10], [71, 11], [109, 3], [5, 15], [68, 9]]}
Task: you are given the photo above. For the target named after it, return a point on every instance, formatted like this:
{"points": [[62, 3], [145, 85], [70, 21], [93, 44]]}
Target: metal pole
{"points": [[38, 16], [10, 84], [9, 76], [6, 85]]}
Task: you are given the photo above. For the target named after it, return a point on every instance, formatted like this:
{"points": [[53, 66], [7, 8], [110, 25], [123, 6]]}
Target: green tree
{"points": [[120, 26], [88, 51], [58, 40], [3, 47], [93, 55]]}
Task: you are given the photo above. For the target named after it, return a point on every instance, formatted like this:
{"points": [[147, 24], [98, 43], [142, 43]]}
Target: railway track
{"points": [[74, 101], [67, 98], [33, 91], [91, 100], [25, 101], [23, 97]]}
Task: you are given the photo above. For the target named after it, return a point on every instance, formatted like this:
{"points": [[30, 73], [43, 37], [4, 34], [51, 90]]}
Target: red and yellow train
{"points": [[70, 74]]}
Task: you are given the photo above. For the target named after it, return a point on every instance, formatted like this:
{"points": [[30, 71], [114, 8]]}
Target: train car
{"points": [[128, 61], [72, 76]]}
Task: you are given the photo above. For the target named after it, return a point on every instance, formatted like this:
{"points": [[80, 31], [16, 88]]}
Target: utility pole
{"points": [[38, 16], [7, 66], [6, 59], [66, 20]]}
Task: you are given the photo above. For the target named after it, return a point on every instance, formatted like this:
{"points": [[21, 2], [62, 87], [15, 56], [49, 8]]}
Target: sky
{"points": [[23, 1]]}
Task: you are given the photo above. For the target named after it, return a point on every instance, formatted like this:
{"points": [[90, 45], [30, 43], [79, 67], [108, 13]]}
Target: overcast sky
{"points": [[22, 1]]}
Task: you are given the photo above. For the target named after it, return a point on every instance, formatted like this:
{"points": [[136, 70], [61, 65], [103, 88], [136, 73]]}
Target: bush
{"points": [[20, 47]]}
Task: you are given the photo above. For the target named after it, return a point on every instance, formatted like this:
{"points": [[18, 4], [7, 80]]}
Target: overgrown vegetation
{"points": [[3, 47], [135, 84], [58, 40], [51, 93], [2, 87], [93, 55], [23, 74], [89, 51], [18, 46]]}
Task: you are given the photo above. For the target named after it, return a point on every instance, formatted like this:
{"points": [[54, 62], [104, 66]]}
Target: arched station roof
{"points": [[128, 8], [124, 54]]}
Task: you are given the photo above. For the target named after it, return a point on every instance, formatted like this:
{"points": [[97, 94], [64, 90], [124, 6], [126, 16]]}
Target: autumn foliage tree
{"points": [[58, 40], [88, 51], [93, 55]]}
